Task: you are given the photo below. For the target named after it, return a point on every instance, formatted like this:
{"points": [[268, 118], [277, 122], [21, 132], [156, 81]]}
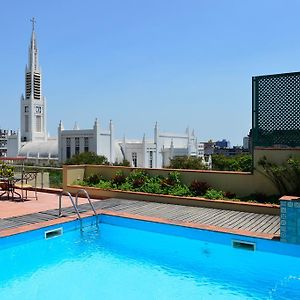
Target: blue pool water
{"points": [[128, 259]]}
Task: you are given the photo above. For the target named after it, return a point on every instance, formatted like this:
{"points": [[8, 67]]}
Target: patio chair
{"points": [[27, 183], [3, 188]]}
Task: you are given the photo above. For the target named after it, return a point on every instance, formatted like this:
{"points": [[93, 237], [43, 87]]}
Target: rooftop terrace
{"points": [[18, 217]]}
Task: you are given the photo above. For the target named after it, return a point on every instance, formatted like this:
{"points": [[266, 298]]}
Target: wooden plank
{"points": [[224, 217], [215, 217], [237, 221], [259, 227], [233, 219], [272, 223], [208, 215], [248, 222]]}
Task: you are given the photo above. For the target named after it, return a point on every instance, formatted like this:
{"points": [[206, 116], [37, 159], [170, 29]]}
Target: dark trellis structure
{"points": [[276, 110]]}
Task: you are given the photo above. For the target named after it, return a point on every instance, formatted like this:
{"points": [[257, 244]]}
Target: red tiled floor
{"points": [[46, 201]]}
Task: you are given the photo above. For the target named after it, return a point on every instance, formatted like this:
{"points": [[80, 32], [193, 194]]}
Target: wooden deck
{"points": [[223, 220]]}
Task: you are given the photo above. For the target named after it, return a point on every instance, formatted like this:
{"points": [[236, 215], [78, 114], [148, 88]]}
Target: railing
{"points": [[82, 191], [73, 203], [53, 181]]}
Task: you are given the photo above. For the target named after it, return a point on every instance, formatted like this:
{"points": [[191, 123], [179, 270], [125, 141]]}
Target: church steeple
{"points": [[33, 75], [33, 106]]}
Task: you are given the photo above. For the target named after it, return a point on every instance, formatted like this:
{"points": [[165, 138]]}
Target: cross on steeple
{"points": [[33, 22]]}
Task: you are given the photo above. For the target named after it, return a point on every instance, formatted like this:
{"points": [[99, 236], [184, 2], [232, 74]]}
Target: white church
{"points": [[33, 142]]}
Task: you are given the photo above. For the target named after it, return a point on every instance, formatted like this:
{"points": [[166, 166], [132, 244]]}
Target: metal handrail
{"points": [[72, 201], [89, 200]]}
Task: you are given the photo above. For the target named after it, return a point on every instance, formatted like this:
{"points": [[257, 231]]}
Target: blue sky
{"points": [[180, 63]]}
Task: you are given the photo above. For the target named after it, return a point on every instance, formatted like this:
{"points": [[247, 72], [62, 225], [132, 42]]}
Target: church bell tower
{"points": [[33, 104]]}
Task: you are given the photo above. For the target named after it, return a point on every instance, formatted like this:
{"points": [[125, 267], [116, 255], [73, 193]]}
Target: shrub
{"points": [[214, 194], [104, 184], [126, 186], [179, 190], [94, 179], [187, 162], [119, 178], [87, 158], [138, 182], [259, 197], [55, 178], [153, 185], [6, 170], [199, 188], [241, 162], [173, 179], [124, 163], [229, 195], [137, 178], [285, 176]]}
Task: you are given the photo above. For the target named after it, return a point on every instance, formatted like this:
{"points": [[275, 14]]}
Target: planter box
{"points": [[188, 201]]}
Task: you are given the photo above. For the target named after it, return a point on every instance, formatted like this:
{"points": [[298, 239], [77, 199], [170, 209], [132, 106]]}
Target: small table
{"points": [[9, 187]]}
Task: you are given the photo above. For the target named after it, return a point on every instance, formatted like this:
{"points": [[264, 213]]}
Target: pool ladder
{"points": [[75, 204]]}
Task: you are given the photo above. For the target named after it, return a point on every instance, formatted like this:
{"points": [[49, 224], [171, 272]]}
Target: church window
{"points": [[151, 159], [77, 145], [86, 144], [38, 109], [28, 85], [38, 123], [26, 123], [68, 148], [37, 86], [26, 109], [134, 159]]}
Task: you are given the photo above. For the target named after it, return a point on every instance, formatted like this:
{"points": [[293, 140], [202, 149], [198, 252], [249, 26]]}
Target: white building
{"points": [[157, 153], [99, 141], [32, 139], [140, 153]]}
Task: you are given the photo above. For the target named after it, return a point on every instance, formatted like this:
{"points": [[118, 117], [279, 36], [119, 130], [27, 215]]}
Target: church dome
{"points": [[40, 149]]}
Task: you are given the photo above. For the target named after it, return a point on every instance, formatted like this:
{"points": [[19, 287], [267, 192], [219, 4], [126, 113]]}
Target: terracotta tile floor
{"points": [[9, 208]]}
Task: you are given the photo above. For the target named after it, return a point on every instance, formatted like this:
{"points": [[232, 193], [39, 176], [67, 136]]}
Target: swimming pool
{"points": [[131, 259]]}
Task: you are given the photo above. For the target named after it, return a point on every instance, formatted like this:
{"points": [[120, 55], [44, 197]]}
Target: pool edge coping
{"points": [[31, 227]]}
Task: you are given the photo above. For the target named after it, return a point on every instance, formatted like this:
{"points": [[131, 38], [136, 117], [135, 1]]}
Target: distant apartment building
{"points": [[209, 148], [246, 141], [200, 148], [4, 133], [222, 144], [235, 150]]}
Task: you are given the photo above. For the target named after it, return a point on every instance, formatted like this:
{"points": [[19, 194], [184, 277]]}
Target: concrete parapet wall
{"points": [[241, 183], [187, 201]]}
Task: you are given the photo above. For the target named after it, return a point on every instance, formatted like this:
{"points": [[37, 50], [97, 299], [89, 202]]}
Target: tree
{"points": [[241, 163], [187, 162], [87, 158]]}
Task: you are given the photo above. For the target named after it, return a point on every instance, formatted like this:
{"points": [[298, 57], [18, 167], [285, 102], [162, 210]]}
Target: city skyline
{"points": [[137, 63]]}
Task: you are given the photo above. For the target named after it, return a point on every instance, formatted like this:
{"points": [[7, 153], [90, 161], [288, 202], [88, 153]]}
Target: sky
{"points": [[176, 62]]}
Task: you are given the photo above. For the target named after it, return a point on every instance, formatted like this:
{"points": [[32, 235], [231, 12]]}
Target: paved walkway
{"points": [[244, 223]]}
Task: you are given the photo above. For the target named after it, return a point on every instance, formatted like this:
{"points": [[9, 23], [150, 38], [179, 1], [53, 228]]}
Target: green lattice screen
{"points": [[276, 110]]}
